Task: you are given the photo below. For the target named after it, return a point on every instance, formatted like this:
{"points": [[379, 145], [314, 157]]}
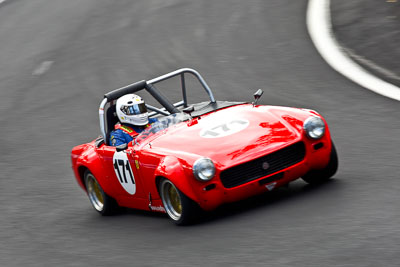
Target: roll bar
{"points": [[169, 107]]}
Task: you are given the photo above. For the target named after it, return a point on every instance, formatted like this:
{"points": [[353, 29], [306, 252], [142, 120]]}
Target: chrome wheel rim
{"points": [[171, 200], [95, 193]]}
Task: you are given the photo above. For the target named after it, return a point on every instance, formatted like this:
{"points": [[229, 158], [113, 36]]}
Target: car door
{"points": [[122, 174]]}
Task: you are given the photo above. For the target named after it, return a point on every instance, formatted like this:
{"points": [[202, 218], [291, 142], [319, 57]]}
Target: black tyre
{"points": [[181, 209], [101, 202], [320, 176]]}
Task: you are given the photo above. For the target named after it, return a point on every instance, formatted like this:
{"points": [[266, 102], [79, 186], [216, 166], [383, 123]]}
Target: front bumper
{"points": [[212, 194]]}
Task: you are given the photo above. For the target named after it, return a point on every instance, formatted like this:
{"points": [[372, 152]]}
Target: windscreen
{"points": [[161, 124]]}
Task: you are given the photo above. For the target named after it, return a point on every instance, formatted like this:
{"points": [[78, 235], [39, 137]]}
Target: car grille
{"points": [[263, 166]]}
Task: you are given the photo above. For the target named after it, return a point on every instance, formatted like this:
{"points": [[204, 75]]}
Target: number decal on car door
{"points": [[124, 173]]}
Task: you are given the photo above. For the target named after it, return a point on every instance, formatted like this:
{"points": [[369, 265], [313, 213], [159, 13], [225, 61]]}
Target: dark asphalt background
{"points": [[238, 46], [371, 29]]}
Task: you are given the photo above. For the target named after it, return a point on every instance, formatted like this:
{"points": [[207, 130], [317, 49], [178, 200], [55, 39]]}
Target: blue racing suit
{"points": [[124, 133]]}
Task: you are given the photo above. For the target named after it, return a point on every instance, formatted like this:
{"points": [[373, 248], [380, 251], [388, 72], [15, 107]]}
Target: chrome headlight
{"points": [[314, 127], [203, 169]]}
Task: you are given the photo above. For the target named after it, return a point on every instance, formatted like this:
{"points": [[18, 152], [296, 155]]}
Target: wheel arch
{"points": [[97, 173], [170, 168], [81, 172]]}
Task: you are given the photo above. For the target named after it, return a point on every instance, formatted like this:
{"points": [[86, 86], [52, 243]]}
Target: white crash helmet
{"points": [[131, 109]]}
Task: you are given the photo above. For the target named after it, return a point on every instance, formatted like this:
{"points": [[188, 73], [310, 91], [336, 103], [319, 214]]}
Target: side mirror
{"points": [[121, 147], [257, 96]]}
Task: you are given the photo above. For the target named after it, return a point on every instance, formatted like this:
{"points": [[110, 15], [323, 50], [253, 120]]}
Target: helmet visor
{"points": [[134, 109]]}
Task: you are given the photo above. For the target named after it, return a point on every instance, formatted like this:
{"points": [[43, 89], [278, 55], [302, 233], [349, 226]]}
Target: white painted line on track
{"points": [[42, 68], [320, 28], [2, 1], [388, 73]]}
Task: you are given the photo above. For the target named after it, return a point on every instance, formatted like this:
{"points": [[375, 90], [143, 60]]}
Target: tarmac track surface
{"points": [[58, 58]]}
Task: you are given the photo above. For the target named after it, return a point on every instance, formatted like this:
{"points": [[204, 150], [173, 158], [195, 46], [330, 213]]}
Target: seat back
{"points": [[112, 119]]}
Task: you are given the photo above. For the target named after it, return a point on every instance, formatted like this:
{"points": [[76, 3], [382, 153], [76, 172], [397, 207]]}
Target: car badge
{"points": [[265, 165]]}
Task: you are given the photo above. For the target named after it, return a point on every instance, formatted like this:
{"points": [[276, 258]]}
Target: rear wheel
{"points": [[181, 209], [101, 202], [320, 176]]}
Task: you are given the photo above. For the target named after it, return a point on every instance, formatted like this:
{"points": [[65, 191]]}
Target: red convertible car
{"points": [[199, 156]]}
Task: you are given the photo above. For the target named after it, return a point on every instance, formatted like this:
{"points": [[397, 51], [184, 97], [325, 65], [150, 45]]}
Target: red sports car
{"points": [[199, 156]]}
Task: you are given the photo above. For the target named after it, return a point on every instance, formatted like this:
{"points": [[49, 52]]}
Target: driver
{"points": [[134, 118]]}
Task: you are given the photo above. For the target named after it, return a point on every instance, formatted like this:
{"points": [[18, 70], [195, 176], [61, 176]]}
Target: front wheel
{"points": [[320, 176], [181, 209], [101, 202]]}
